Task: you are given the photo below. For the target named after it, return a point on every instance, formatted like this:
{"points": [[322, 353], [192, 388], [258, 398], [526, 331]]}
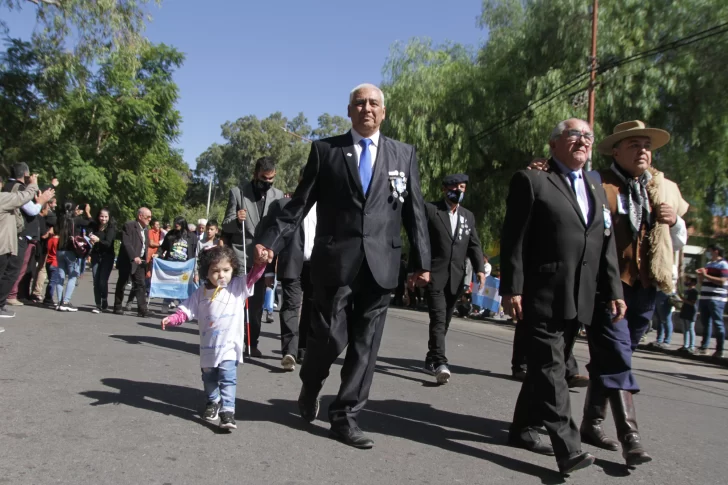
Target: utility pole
{"points": [[593, 76], [209, 193]]}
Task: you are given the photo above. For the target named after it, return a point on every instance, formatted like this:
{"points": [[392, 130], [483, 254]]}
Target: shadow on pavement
{"points": [[418, 366], [181, 329], [160, 342], [420, 422], [613, 469], [187, 403], [686, 376]]}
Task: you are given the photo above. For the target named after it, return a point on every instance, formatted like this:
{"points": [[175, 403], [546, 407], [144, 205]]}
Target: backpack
{"points": [[19, 219], [81, 245]]}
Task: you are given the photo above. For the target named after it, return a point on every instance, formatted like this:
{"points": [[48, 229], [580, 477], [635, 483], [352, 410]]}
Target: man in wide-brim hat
{"points": [[646, 211]]}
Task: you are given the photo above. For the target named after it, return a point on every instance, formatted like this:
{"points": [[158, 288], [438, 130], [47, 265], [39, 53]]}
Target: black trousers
{"points": [[544, 398], [5, 262], [520, 341], [350, 317], [441, 305], [295, 313], [255, 311], [12, 269], [137, 277]]}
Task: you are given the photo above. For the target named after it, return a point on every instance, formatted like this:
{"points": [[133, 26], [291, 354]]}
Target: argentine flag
{"points": [[173, 279], [488, 297]]}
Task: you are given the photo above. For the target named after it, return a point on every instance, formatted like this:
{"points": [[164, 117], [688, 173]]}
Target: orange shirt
{"points": [[154, 237]]}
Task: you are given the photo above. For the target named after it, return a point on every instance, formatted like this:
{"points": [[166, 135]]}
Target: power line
{"points": [[532, 106]]}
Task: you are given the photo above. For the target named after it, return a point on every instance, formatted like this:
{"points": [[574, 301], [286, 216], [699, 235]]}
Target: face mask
{"points": [[264, 186], [455, 196]]}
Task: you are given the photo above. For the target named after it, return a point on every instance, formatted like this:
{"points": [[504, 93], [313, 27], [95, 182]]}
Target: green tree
{"points": [[248, 139], [488, 114]]}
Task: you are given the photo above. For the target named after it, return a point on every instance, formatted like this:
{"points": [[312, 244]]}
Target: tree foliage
{"points": [[101, 116], [246, 140], [452, 103]]}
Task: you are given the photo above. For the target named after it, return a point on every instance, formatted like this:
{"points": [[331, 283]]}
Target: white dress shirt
{"points": [[373, 147], [453, 219], [582, 197], [309, 233]]}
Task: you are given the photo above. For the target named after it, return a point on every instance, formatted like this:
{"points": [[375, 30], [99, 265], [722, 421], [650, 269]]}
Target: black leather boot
{"points": [[595, 411], [625, 418]]}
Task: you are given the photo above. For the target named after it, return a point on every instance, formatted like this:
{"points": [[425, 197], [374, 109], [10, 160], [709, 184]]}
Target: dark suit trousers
{"points": [[255, 311], [23, 280], [295, 313], [344, 316], [520, 341], [137, 277], [544, 397], [441, 304]]}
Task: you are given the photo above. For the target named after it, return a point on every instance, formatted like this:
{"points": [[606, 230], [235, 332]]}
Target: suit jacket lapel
{"points": [[444, 216], [559, 180], [595, 201], [349, 154], [249, 204], [380, 165]]}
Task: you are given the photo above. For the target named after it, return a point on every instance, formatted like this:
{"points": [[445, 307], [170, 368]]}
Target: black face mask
{"points": [[455, 196], [263, 186]]}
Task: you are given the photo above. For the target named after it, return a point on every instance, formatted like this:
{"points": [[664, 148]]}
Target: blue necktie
{"points": [[365, 164], [583, 204]]}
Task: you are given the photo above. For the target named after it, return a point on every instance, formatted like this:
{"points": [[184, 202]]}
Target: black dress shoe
{"points": [[576, 461], [308, 405], [118, 311], [537, 445], [519, 375], [351, 436]]}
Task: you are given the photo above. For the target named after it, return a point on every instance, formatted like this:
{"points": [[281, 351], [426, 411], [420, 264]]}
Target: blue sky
{"points": [[259, 57]]}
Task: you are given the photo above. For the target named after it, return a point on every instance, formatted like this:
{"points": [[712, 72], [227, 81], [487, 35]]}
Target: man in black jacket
{"points": [[557, 249], [131, 261], [453, 239], [364, 185], [247, 207]]}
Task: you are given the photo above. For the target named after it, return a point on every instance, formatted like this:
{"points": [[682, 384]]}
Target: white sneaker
{"points": [[96, 310], [2, 329], [442, 374], [289, 363]]}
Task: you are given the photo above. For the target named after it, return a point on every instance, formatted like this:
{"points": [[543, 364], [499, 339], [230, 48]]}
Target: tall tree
{"points": [[490, 113]]}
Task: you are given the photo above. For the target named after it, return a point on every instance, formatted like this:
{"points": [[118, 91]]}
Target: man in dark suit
{"points": [[293, 268], [364, 185], [246, 207], [453, 238], [131, 261], [557, 249]]}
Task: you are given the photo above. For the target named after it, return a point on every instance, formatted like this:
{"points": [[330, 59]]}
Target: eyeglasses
{"points": [[576, 135]]}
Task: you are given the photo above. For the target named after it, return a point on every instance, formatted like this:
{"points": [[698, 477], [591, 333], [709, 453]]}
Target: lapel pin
{"points": [[348, 154]]}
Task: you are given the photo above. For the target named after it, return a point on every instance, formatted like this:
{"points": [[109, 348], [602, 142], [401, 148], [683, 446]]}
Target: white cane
{"points": [[245, 273]]}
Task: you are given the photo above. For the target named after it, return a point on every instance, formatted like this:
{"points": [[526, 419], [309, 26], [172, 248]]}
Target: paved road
{"points": [[92, 399]]}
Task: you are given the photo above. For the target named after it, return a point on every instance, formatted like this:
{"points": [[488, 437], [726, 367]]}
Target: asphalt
{"points": [[89, 399]]}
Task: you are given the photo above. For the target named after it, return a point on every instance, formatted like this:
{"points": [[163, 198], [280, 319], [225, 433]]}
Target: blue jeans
{"points": [[101, 266], [270, 297], [688, 333], [711, 313], [663, 310], [68, 264], [221, 383]]}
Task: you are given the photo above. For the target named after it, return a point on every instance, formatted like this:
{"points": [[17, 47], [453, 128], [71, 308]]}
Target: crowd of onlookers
{"points": [[46, 247]]}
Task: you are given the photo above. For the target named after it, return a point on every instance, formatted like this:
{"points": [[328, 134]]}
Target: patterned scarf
{"points": [[638, 201]]}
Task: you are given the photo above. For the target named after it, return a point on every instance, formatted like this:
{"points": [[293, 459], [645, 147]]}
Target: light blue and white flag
{"points": [[488, 297], [173, 279]]}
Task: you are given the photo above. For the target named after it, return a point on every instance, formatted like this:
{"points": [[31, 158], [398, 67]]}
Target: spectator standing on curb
{"points": [[103, 235], [713, 281], [688, 313], [10, 204], [69, 262]]}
